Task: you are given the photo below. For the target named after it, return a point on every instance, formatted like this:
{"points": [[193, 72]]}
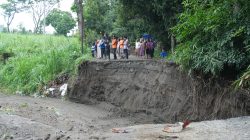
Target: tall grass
{"points": [[37, 60]]}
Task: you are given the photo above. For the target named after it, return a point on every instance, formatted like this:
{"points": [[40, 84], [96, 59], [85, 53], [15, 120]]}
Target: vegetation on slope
{"points": [[214, 38], [37, 59]]}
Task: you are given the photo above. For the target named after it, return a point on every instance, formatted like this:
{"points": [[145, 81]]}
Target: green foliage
{"points": [[62, 21], [102, 16], [154, 17], [94, 13], [37, 60], [99, 15], [213, 36], [244, 80], [91, 36]]}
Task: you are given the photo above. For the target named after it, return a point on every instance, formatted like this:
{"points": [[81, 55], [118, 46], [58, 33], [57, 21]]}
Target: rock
{"points": [[52, 92], [71, 128], [173, 128], [47, 137], [19, 93], [168, 137], [63, 89], [94, 138]]}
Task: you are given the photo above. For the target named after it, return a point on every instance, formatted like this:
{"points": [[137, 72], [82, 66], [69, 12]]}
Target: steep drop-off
{"points": [[157, 89]]}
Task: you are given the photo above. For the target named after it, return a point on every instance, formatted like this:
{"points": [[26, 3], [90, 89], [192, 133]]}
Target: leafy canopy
{"points": [[213, 36], [62, 21]]}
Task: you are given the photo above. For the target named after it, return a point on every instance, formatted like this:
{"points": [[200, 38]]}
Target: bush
{"points": [[213, 37]]}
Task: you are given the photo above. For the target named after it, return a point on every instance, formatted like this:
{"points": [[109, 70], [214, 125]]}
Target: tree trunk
{"points": [[8, 28], [172, 43], [80, 20]]}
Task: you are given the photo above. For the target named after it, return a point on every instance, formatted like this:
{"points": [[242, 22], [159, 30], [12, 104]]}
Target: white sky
{"points": [[26, 18]]}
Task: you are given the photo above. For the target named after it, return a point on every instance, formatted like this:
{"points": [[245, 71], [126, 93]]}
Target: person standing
{"points": [[102, 46], [118, 46], [107, 48], [93, 50], [114, 46], [137, 48], [125, 47], [142, 48], [154, 46], [151, 48], [99, 54], [121, 46]]}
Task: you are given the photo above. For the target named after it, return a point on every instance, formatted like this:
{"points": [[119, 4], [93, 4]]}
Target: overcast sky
{"points": [[26, 18]]}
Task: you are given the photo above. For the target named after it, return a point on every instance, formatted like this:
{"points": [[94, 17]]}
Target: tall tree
{"points": [[11, 8], [78, 8], [96, 12], [62, 21], [156, 16], [40, 9]]}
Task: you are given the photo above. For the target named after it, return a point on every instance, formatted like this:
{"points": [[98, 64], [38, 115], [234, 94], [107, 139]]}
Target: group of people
{"points": [[145, 46], [102, 48]]}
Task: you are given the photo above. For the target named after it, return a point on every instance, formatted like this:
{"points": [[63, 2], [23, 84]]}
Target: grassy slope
{"points": [[37, 60]]}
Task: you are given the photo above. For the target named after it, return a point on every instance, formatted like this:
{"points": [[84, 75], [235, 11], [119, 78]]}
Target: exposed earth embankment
{"points": [[157, 89]]}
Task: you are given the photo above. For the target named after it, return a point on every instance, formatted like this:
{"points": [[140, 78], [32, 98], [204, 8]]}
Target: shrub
{"points": [[213, 37]]}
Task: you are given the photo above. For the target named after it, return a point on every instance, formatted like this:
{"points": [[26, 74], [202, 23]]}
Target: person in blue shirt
{"points": [[163, 54]]}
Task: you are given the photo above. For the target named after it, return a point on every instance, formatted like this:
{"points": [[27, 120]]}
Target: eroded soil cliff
{"points": [[157, 89]]}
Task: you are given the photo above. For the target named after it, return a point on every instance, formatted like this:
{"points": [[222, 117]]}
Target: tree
{"points": [[21, 29], [62, 21], [40, 9], [78, 8], [97, 15], [211, 39], [11, 8], [156, 17]]}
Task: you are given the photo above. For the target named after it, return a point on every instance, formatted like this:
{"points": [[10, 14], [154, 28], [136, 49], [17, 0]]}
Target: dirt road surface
{"points": [[34, 118], [26, 118]]}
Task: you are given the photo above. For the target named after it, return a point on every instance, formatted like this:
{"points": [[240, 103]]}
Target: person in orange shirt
{"points": [[121, 46], [114, 46]]}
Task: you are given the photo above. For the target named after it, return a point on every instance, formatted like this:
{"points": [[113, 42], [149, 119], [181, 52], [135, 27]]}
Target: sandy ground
{"points": [[34, 118], [26, 118], [231, 129]]}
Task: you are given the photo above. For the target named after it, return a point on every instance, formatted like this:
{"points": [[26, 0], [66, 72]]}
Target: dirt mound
{"points": [[157, 89]]}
